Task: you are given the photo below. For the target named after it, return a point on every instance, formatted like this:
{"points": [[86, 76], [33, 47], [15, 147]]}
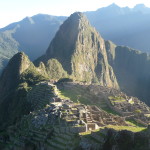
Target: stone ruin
{"points": [[75, 116]]}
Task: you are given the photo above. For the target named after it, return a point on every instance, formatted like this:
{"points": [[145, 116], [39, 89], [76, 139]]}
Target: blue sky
{"points": [[15, 10]]}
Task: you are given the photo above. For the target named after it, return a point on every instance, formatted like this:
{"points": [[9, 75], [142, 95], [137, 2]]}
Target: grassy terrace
{"points": [[75, 97], [129, 128], [116, 99], [108, 110], [70, 94]]}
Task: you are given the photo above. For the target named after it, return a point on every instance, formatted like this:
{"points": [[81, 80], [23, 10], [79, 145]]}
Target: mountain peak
{"points": [[21, 61], [11, 74], [77, 18], [114, 5], [28, 20], [80, 50], [139, 6], [77, 15]]}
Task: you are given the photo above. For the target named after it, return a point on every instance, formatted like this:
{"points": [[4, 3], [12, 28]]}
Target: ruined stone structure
{"points": [[111, 99]]}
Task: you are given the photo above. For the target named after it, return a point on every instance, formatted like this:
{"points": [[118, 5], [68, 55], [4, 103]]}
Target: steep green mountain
{"points": [[16, 80], [132, 69], [31, 35], [80, 50], [123, 25]]}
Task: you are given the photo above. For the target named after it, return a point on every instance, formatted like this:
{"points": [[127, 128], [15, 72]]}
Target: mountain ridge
{"points": [[30, 35], [81, 51], [131, 23]]}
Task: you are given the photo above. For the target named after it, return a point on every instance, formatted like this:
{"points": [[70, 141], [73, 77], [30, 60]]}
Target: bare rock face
{"points": [[81, 51]]}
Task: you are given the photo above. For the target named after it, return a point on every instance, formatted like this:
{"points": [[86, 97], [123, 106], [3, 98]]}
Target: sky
{"points": [[15, 10]]}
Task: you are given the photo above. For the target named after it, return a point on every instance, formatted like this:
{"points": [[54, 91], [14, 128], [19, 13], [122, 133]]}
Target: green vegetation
{"points": [[116, 98], [55, 70], [134, 123], [129, 128], [138, 111], [107, 109], [75, 97], [85, 133], [31, 76], [8, 47], [65, 80]]}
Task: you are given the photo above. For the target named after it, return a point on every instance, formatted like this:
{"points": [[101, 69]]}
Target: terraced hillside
{"points": [[56, 122], [108, 99]]}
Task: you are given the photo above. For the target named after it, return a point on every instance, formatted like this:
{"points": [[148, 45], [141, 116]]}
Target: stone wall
{"points": [[92, 126]]}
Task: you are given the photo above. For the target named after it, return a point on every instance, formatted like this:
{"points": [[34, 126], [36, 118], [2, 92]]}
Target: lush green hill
{"points": [[16, 80]]}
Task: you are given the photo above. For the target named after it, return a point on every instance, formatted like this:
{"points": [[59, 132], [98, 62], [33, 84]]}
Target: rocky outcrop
{"points": [[81, 51]]}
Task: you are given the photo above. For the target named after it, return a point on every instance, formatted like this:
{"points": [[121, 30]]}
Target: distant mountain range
{"points": [[31, 35], [124, 26]]}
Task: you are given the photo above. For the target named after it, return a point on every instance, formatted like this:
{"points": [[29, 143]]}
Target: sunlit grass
{"points": [[85, 133], [129, 128]]}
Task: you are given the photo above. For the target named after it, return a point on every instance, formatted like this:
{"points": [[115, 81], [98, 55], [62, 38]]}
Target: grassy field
{"points": [[72, 95], [129, 128]]}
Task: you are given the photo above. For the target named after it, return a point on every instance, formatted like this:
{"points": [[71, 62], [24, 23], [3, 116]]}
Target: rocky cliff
{"points": [[132, 69], [81, 51]]}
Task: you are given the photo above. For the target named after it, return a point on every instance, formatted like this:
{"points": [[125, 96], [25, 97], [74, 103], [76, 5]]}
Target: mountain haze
{"points": [[31, 35], [123, 25]]}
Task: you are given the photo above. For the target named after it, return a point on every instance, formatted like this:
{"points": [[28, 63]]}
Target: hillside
{"points": [[58, 123], [16, 80]]}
